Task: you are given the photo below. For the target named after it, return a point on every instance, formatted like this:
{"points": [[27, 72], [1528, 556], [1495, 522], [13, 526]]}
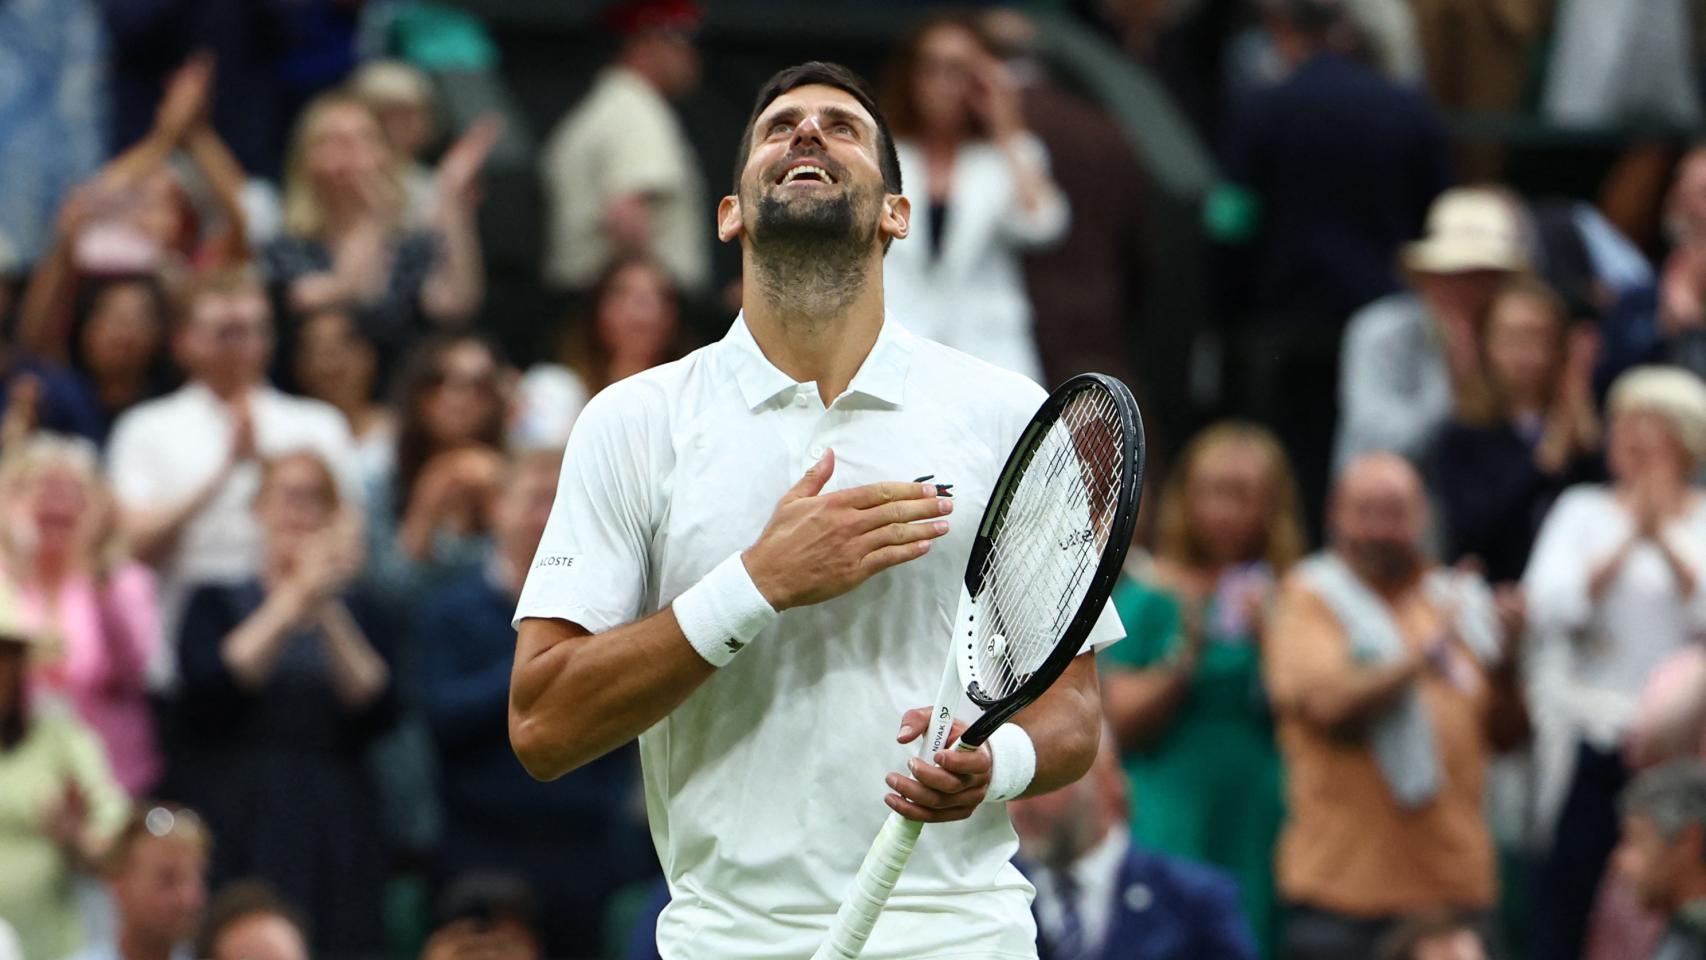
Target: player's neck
{"points": [[814, 331]]}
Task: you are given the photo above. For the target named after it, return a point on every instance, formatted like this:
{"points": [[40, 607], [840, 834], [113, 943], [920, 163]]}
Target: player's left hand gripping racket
{"points": [[1042, 565]]}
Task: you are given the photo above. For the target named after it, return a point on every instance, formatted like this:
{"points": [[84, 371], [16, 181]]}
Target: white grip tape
{"points": [[880, 871], [886, 860], [723, 612], [1014, 760]]}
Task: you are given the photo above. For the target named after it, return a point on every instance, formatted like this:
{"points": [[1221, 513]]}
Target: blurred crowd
{"points": [[1414, 665]]}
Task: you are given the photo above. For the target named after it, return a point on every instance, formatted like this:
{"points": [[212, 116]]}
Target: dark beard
{"points": [[810, 255], [1387, 565]]}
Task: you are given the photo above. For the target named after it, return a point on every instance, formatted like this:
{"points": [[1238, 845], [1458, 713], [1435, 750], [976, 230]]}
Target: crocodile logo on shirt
{"points": [[942, 489]]}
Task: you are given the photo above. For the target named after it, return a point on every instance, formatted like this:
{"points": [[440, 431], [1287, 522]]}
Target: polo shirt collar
{"points": [[882, 376]]}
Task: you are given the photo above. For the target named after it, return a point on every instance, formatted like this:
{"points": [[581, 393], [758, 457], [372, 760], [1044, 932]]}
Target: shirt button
{"points": [[816, 451], [800, 399]]}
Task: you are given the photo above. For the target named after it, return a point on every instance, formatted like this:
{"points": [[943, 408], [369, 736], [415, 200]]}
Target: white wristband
{"points": [[1014, 760], [723, 612]]}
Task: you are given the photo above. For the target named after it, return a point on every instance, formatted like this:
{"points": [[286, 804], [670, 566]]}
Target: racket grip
{"points": [[881, 869]]}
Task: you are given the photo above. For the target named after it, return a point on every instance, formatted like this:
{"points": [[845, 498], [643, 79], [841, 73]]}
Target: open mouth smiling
{"points": [[805, 172]]}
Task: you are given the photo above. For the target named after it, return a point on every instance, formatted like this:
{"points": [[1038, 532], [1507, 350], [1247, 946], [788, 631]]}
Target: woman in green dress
{"points": [[1184, 690]]}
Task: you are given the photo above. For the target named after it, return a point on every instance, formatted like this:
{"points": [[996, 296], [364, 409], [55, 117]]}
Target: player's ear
{"points": [[897, 217], [729, 224]]}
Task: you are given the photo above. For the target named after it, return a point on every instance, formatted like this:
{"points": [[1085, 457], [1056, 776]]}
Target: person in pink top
{"points": [[77, 585]]}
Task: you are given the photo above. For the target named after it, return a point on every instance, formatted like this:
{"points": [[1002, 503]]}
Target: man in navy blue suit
{"points": [[1101, 898]]}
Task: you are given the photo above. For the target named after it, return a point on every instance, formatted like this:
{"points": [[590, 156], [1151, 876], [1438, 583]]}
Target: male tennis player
{"points": [[752, 563]]}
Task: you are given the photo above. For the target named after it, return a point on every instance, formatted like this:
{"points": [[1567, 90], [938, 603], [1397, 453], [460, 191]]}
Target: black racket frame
{"points": [[999, 711]]}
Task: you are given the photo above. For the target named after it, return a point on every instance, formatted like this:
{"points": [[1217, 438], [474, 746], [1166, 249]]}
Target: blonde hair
{"points": [[1283, 542], [303, 213], [1674, 394], [47, 451]]}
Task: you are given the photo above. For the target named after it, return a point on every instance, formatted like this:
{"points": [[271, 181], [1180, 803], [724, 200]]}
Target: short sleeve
{"points": [[592, 562], [130, 464], [1106, 632], [646, 156], [1152, 625]]}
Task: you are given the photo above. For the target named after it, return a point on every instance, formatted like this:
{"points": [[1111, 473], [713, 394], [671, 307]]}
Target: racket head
{"points": [[1090, 425]]}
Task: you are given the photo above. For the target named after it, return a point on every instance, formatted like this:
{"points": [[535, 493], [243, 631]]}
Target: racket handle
{"points": [[883, 865], [886, 860]]}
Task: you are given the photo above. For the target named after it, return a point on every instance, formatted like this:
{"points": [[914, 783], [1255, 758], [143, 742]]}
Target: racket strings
{"points": [[1047, 545]]}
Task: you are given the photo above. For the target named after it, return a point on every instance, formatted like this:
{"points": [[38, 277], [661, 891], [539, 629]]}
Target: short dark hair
{"points": [[238, 901], [829, 75], [486, 896]]}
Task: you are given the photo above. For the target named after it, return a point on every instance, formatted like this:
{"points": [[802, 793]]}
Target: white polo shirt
{"points": [[764, 788], [165, 450]]}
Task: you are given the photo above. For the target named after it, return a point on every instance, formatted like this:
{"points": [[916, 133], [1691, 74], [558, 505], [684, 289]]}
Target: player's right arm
{"points": [[577, 694]]}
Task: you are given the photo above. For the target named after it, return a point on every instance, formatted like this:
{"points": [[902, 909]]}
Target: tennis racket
{"points": [[1043, 562]]}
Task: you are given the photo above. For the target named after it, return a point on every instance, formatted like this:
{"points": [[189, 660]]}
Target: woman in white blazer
{"points": [[981, 195]]}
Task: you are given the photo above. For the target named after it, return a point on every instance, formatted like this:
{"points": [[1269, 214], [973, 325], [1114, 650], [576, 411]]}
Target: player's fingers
{"points": [[913, 811], [919, 793], [942, 781], [879, 560], [903, 511], [898, 533], [958, 727], [912, 724], [965, 763], [876, 494], [812, 483]]}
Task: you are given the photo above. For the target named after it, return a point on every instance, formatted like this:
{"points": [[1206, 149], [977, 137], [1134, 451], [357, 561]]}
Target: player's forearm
{"points": [[1065, 724], [576, 696]]}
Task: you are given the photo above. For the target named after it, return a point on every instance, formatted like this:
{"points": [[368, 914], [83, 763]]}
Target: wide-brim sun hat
{"points": [[1469, 229]]}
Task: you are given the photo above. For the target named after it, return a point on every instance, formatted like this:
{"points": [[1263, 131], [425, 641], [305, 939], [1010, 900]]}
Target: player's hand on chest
{"points": [[726, 494]]}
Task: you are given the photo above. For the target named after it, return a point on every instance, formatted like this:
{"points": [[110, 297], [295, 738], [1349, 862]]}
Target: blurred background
{"points": [[300, 300]]}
